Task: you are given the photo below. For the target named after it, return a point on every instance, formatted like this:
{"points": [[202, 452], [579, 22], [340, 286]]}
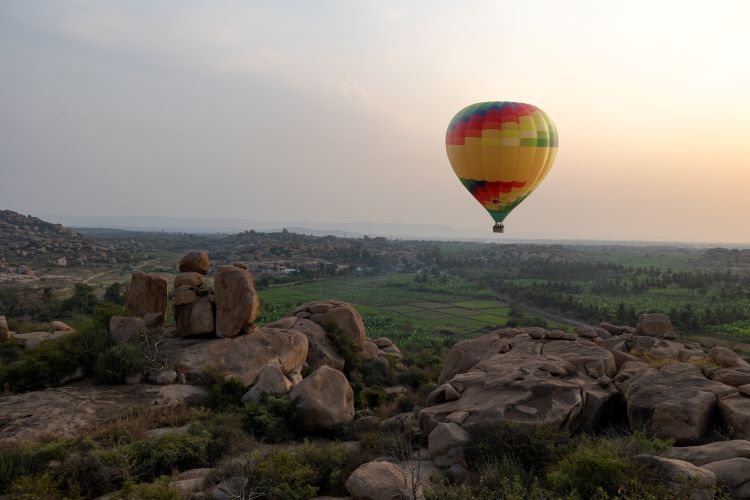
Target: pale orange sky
{"points": [[336, 111]]}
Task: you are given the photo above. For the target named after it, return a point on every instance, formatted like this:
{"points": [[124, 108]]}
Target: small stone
{"points": [[162, 377], [536, 334]]}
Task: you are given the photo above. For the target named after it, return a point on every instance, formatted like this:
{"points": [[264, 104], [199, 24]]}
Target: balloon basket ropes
{"points": [[498, 228]]}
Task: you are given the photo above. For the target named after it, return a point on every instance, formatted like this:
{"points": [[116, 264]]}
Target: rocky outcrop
{"points": [[270, 381], [655, 325], [190, 279], [380, 481], [122, 329], [446, 444], [195, 262], [147, 294], [324, 400], [732, 474], [727, 358], [334, 314], [66, 411], [735, 377], [190, 482], [195, 317], [33, 340], [59, 326], [735, 410], [543, 377], [237, 303], [675, 402], [320, 349], [712, 452], [242, 357], [684, 479], [516, 380]]}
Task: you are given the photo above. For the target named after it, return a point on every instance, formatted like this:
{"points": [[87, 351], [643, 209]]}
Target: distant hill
{"points": [[33, 242], [213, 225]]}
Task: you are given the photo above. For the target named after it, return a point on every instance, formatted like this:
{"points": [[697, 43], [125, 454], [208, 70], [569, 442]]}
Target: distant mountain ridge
{"points": [[236, 225]]}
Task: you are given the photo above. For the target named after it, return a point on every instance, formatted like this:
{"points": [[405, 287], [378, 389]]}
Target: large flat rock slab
{"points": [[68, 410], [242, 357], [518, 388]]}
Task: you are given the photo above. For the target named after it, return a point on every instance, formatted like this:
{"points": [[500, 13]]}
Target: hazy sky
{"points": [[336, 110]]}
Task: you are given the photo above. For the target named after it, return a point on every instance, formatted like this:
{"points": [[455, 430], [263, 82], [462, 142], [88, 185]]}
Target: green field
{"points": [[395, 305]]}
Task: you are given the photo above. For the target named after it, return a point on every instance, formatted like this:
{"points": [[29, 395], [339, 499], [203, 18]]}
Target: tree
{"points": [[114, 294], [83, 300]]}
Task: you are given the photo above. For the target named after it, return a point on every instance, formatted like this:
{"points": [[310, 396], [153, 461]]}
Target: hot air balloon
{"points": [[501, 151]]}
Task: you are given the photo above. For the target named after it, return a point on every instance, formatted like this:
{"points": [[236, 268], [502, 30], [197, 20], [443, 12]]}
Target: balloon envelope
{"points": [[501, 151]]}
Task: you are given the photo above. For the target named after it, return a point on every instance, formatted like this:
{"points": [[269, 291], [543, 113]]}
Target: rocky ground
{"points": [[634, 379]]}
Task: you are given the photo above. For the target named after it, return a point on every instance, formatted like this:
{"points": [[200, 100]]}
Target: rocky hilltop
{"points": [[28, 241], [632, 381]]}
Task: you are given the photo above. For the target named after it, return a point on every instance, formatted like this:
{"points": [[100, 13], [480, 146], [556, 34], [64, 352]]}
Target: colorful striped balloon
{"points": [[501, 151]]}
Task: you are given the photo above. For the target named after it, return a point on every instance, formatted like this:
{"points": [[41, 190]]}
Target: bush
{"points": [[103, 313], [287, 476], [534, 448], [375, 372], [83, 300], [226, 394], [600, 467], [346, 347], [44, 486], [506, 478], [114, 294], [118, 363], [158, 490], [595, 466], [271, 419], [309, 471], [51, 361], [28, 459], [156, 457], [372, 397]]}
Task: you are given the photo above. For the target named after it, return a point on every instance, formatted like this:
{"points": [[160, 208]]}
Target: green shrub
{"points": [[156, 457], [28, 459], [51, 361], [506, 478], [271, 419], [598, 467], [443, 490], [226, 394], [423, 367], [333, 463], [405, 404], [301, 473], [118, 363], [595, 466], [346, 347], [103, 312], [287, 476], [372, 397], [45, 486], [158, 490], [375, 372], [114, 294], [10, 352], [534, 448], [83, 300]]}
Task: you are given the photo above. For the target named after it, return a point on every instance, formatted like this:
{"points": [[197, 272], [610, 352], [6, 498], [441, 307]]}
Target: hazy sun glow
{"points": [[336, 110]]}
